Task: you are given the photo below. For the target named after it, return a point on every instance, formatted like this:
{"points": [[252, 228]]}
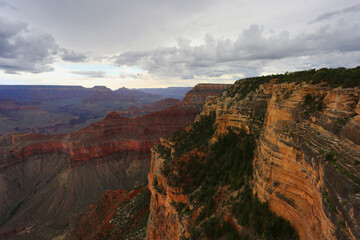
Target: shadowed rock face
{"points": [[307, 159], [47, 179]]}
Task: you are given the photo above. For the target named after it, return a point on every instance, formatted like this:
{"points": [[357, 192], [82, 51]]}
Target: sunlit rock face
{"points": [[306, 163]]}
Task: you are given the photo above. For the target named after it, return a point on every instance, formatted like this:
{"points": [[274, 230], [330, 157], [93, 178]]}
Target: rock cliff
{"points": [[305, 163], [306, 160], [46, 179]]}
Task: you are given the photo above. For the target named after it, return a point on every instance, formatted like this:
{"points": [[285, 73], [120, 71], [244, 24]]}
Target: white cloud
{"points": [[248, 53]]}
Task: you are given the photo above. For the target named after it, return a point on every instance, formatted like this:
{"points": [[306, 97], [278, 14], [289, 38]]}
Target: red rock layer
{"points": [[65, 173], [12, 105]]}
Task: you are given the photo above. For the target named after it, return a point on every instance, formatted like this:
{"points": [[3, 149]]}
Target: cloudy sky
{"points": [[159, 43]]}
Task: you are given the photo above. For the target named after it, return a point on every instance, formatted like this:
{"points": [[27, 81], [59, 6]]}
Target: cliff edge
{"points": [[290, 140]]}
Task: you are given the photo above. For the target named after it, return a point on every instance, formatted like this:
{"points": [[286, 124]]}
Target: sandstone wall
{"points": [[306, 162]]}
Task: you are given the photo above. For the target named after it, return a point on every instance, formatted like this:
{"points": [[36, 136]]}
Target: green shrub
{"points": [[329, 156]]}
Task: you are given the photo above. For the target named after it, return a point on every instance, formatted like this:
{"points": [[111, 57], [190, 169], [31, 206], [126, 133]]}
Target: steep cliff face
{"points": [[164, 221], [184, 185], [305, 166], [46, 179]]}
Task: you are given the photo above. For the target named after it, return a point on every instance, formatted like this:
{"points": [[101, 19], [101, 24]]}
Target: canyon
{"points": [[274, 157], [305, 164], [46, 180], [65, 109]]}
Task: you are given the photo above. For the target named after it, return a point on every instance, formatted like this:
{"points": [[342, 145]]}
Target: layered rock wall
{"points": [[306, 163]]}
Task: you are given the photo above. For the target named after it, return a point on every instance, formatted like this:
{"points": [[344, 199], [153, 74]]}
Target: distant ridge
{"points": [[169, 92]]}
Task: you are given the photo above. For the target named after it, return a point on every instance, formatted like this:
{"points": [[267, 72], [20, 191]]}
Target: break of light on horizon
{"points": [[171, 43]]}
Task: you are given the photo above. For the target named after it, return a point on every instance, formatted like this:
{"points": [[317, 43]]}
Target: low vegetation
{"points": [[197, 137], [332, 77], [226, 164]]}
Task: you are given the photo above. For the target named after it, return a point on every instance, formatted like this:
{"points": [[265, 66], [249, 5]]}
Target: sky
{"points": [[161, 43]]}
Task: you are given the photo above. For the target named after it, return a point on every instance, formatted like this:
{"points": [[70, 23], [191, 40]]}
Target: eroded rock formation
{"points": [[306, 163]]}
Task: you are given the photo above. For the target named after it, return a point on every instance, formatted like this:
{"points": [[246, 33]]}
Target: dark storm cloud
{"points": [[91, 74], [327, 15], [72, 56], [252, 48], [24, 51]]}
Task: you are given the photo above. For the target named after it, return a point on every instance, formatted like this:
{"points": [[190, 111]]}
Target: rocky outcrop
{"points": [[54, 177], [197, 96], [306, 163]]}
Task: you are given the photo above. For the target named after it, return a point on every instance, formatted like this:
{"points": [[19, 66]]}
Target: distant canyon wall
{"points": [[46, 179]]}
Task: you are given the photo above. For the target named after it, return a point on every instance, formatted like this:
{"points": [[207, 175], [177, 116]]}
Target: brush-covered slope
{"points": [[46, 179], [119, 215], [285, 145]]}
